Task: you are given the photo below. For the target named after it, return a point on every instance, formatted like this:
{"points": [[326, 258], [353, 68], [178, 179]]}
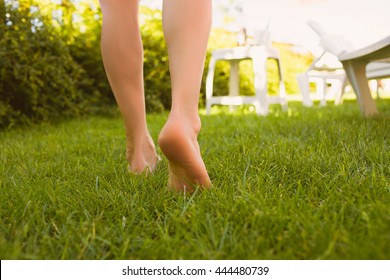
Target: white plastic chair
{"points": [[356, 64], [324, 71], [259, 55]]}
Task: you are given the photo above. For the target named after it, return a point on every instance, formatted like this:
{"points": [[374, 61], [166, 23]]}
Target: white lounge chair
{"points": [[358, 69], [356, 64]]}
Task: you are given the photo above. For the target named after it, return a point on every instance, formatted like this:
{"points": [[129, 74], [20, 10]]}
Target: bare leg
{"points": [[186, 26], [123, 60]]}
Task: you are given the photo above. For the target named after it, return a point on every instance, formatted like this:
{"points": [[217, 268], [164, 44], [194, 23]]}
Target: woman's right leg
{"points": [[186, 26], [122, 53]]}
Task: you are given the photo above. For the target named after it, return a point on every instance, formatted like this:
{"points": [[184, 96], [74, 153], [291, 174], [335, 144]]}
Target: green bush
{"points": [[39, 80], [156, 65], [85, 49], [84, 46]]}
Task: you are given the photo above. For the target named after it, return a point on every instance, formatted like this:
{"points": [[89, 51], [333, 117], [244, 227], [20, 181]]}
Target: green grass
{"points": [[311, 183]]}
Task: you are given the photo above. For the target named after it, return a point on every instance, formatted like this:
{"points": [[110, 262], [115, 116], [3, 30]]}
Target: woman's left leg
{"points": [[123, 61]]}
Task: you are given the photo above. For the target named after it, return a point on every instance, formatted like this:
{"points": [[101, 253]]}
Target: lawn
{"points": [[310, 183]]}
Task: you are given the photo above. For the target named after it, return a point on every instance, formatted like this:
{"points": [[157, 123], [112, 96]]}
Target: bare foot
{"points": [[178, 142], [142, 157]]}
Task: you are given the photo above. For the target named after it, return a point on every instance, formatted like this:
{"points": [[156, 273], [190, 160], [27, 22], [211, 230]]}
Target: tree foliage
{"points": [[2, 12], [39, 79]]}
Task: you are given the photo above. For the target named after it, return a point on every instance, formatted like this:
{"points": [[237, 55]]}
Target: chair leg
{"points": [[322, 87], [260, 81], [303, 83], [378, 88], [356, 73], [339, 95], [282, 88], [210, 84], [234, 81]]}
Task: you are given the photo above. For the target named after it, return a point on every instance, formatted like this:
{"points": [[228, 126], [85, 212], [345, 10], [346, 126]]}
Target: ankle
{"points": [[139, 144], [191, 122], [136, 139]]}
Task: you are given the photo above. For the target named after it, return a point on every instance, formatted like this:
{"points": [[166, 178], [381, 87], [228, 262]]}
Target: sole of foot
{"points": [[179, 144]]}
